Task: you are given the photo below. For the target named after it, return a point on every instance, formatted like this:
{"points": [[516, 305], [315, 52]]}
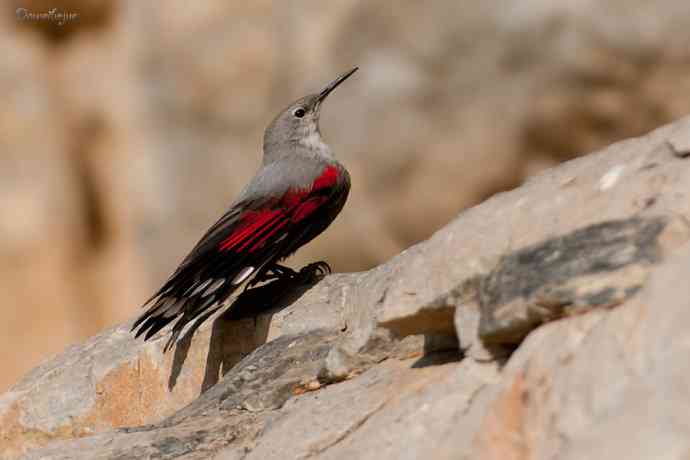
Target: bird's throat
{"points": [[313, 143]]}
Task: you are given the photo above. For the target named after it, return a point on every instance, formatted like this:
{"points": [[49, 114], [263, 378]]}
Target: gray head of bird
{"points": [[297, 126]]}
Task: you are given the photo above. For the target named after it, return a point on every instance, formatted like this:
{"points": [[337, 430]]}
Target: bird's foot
{"points": [[281, 271], [315, 270], [274, 272], [309, 273]]}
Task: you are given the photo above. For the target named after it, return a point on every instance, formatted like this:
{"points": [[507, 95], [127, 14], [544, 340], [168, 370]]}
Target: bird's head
{"points": [[297, 127]]}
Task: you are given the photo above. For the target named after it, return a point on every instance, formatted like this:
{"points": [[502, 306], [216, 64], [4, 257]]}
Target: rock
{"points": [[600, 385], [116, 381], [486, 341], [680, 143], [598, 266], [493, 244]]}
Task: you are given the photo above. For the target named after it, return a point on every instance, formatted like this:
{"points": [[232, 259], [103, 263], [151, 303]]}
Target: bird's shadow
{"points": [[241, 328]]}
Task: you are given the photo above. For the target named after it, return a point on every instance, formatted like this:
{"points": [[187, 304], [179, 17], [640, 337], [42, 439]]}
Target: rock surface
{"points": [[125, 133], [548, 322]]}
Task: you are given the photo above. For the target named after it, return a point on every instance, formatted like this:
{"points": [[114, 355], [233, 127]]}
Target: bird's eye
{"points": [[299, 112]]}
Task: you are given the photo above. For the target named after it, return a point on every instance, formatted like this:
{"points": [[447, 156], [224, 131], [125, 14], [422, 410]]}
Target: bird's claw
{"points": [[276, 272], [280, 271], [273, 273], [319, 269]]}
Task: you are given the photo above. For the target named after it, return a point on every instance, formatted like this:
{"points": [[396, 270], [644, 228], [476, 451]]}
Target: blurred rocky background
{"points": [[127, 130]]}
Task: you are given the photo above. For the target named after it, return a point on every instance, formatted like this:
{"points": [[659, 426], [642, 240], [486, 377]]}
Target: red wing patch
{"points": [[251, 222], [305, 208], [328, 178], [256, 227]]}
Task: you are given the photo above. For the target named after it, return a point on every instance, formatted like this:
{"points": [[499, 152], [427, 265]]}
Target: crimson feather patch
{"points": [[257, 226]]}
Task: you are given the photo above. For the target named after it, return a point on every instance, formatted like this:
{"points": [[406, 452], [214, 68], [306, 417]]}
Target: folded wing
{"points": [[247, 239]]}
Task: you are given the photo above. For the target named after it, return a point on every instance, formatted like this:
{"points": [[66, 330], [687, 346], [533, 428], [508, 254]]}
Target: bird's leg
{"points": [[315, 269], [312, 271], [280, 271], [272, 272]]}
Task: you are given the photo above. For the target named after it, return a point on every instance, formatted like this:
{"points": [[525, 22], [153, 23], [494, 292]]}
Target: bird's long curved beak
{"points": [[332, 85]]}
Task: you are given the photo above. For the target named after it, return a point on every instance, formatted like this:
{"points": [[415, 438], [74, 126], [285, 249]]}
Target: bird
{"points": [[297, 192]]}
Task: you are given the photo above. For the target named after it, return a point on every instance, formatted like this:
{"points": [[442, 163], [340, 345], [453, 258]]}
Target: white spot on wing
{"points": [[242, 275], [201, 287], [214, 287]]}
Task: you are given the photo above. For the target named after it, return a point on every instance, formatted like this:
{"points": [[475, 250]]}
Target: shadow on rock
{"points": [[242, 328]]}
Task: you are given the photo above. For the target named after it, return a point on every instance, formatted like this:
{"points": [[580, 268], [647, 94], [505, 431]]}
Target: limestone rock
{"points": [[602, 385], [597, 266], [486, 341]]}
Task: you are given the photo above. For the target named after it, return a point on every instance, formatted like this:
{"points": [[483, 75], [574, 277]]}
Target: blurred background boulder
{"points": [[128, 128]]}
